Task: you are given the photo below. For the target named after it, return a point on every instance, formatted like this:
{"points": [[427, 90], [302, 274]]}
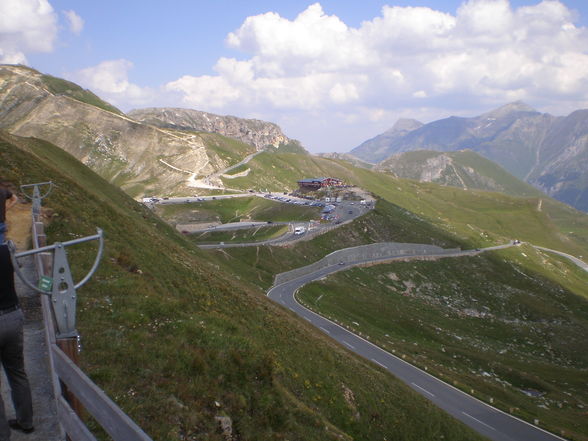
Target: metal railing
{"points": [[71, 386]]}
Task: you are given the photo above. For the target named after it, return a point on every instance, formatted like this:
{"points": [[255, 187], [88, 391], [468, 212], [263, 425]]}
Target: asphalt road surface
{"points": [[485, 419], [575, 260]]}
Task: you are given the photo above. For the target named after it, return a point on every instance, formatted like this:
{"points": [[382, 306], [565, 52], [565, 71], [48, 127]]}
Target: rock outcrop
{"points": [[260, 134]]}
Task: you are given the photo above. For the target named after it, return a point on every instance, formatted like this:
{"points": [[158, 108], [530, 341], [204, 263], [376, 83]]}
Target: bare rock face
{"points": [[138, 157], [260, 134]]}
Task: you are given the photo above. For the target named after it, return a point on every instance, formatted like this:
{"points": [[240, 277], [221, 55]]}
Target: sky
{"points": [[332, 73]]}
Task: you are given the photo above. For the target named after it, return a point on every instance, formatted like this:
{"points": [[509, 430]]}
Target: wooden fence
{"points": [[77, 384]]}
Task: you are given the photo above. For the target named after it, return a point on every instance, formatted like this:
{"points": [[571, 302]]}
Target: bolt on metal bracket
{"points": [[63, 290]]}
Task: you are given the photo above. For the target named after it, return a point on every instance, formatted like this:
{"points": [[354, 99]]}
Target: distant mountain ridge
{"points": [[378, 147], [546, 151], [260, 134], [162, 157], [464, 168]]}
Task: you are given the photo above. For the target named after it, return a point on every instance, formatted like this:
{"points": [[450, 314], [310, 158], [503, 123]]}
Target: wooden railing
{"points": [[65, 372]]}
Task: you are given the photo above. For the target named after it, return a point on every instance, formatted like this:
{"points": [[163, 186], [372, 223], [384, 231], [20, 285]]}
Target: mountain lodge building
{"points": [[317, 183]]}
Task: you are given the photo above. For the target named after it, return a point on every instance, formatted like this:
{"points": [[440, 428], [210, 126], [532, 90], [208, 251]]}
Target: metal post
{"points": [[36, 198], [63, 294]]}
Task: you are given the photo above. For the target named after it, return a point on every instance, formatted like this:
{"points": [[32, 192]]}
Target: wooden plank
{"points": [[69, 346], [73, 426], [112, 419]]}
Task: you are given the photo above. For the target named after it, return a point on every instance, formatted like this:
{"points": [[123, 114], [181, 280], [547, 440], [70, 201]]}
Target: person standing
{"points": [[7, 200], [11, 352]]}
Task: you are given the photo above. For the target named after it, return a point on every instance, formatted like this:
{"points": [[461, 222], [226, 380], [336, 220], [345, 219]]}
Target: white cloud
{"points": [[76, 23], [109, 80], [205, 91], [26, 26], [12, 57], [487, 53]]}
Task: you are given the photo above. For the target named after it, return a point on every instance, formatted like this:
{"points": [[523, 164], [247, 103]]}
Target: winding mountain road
{"points": [[483, 418], [575, 260]]}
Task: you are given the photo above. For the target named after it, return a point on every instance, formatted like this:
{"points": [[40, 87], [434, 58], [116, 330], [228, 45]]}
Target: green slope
{"points": [[456, 316], [60, 86], [484, 323], [235, 210], [176, 341], [465, 169], [477, 217], [386, 223], [228, 149]]}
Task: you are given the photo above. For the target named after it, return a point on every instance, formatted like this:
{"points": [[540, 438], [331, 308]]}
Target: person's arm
{"points": [[10, 202]]}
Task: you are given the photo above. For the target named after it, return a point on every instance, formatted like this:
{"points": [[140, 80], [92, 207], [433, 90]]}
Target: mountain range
{"points": [[169, 151], [185, 338], [143, 152], [548, 152]]}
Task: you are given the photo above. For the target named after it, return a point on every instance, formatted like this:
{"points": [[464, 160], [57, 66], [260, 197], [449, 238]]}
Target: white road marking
{"points": [[423, 389], [350, 345], [477, 420], [308, 319], [379, 364], [325, 330]]}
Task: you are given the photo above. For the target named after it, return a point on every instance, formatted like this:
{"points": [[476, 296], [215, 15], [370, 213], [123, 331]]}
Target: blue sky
{"points": [[330, 73]]}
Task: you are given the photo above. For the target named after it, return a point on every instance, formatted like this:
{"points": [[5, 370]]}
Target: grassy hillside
{"points": [[177, 341], [386, 223], [464, 169], [228, 149], [280, 171], [503, 325], [234, 210], [485, 323], [248, 235], [477, 217], [59, 86]]}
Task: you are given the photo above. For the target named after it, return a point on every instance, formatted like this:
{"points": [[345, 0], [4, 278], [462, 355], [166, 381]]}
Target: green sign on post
{"points": [[46, 283]]}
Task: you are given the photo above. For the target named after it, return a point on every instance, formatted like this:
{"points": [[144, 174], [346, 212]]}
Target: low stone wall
{"points": [[366, 253]]}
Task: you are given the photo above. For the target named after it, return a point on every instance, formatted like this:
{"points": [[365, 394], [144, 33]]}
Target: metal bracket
{"points": [[64, 291], [36, 197]]}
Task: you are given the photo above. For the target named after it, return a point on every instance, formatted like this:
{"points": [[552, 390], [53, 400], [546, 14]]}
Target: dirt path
{"points": [[18, 219]]}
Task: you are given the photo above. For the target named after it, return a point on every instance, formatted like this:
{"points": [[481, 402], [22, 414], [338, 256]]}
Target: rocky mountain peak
{"points": [[257, 133], [508, 109], [406, 125]]}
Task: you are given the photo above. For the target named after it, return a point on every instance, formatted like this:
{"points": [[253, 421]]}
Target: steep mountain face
{"points": [[563, 157], [140, 158], [122, 150], [377, 148], [542, 149], [259, 134], [465, 169]]}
